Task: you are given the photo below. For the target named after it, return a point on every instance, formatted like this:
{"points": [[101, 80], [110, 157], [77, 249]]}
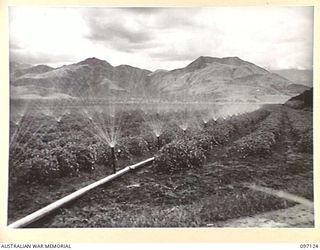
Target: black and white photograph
{"points": [[161, 117]]}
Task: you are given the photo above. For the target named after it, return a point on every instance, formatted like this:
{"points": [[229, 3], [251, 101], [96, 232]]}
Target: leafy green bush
{"points": [[122, 152], [221, 133], [41, 168], [136, 145], [301, 128], [179, 155], [301, 121], [262, 140], [255, 143], [151, 141], [86, 157], [244, 122], [204, 141], [102, 151], [305, 142], [66, 160]]}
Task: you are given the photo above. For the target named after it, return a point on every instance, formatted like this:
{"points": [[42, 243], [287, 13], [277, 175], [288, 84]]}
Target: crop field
{"points": [[206, 158]]}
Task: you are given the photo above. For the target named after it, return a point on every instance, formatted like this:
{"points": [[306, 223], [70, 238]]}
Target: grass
{"points": [[225, 204]]}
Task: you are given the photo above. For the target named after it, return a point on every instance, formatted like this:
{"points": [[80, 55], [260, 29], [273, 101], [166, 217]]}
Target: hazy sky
{"points": [[166, 38]]}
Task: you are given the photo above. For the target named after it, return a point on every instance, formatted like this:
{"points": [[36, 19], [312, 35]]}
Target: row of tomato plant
{"points": [[191, 150], [262, 139], [47, 149], [44, 149], [302, 129], [67, 148]]}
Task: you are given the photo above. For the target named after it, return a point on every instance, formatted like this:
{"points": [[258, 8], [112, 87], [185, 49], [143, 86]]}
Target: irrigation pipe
{"points": [[25, 221]]}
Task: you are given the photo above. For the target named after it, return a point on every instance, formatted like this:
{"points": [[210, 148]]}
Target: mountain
{"points": [[204, 61], [302, 77], [228, 79], [89, 78]]}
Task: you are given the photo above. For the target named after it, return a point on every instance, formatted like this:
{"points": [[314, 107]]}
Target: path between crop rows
{"points": [[296, 216], [301, 215]]}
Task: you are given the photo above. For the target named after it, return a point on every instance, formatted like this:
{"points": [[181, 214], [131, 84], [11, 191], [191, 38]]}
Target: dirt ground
{"points": [[297, 216]]}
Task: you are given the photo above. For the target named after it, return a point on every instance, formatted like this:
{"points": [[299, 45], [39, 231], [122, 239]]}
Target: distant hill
{"points": [[89, 78], [38, 69], [302, 77], [304, 100], [228, 79]]}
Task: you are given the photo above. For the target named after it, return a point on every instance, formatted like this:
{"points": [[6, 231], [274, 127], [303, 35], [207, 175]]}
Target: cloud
{"points": [[133, 29], [187, 50], [120, 31], [273, 37], [111, 31], [176, 18], [24, 56], [174, 55]]}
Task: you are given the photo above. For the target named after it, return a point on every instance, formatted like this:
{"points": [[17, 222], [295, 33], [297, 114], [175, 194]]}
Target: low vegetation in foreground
{"points": [[197, 178]]}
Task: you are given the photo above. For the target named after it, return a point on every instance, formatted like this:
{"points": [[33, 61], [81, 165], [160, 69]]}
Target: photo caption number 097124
{"points": [[305, 246]]}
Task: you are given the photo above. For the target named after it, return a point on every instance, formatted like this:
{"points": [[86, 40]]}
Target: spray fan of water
{"points": [[27, 120]]}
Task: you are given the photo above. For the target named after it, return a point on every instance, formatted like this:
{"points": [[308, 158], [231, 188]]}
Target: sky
{"points": [[162, 38]]}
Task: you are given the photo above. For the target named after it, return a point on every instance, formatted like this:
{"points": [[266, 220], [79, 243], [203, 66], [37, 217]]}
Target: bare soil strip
{"points": [[282, 194], [297, 216]]}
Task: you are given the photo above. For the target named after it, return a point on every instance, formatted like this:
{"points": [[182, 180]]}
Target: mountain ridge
{"points": [[218, 79], [297, 76]]}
